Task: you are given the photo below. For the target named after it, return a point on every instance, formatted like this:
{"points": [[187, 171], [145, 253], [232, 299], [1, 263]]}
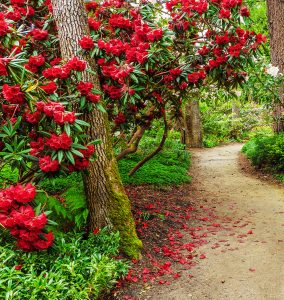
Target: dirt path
{"points": [[248, 266]]}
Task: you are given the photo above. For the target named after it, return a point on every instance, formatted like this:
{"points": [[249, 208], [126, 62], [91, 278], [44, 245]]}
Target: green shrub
{"points": [[266, 152], [75, 268], [220, 125]]}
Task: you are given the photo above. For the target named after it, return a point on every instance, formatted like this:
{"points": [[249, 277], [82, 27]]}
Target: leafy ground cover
{"points": [[74, 268], [169, 167], [267, 153]]}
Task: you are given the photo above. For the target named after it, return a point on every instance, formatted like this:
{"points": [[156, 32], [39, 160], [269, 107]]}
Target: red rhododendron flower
{"points": [[32, 118], [13, 94], [62, 141], [46, 164], [39, 34], [93, 24], [37, 61], [5, 201], [77, 64], [22, 194], [120, 118], [235, 50], [85, 87], [3, 69], [37, 222], [18, 2], [94, 98], [86, 43], [64, 117], [89, 151], [4, 28], [46, 242], [244, 11], [224, 14], [49, 88]]}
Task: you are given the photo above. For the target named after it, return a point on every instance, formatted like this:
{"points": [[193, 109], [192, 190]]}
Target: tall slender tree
{"points": [[275, 9], [107, 201]]}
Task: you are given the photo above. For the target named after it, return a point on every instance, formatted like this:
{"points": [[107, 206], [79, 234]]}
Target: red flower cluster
{"points": [[61, 141], [120, 118], [50, 88], [195, 77], [63, 72], [35, 62], [20, 218], [13, 94], [46, 164], [56, 111], [4, 27], [93, 24], [82, 163], [85, 88], [87, 43], [39, 34]]}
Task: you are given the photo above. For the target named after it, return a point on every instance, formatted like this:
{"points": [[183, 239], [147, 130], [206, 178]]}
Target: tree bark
{"points": [[133, 144], [107, 201], [275, 11], [193, 125]]}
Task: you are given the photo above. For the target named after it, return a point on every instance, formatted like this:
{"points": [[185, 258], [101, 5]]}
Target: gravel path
{"points": [[251, 268]]}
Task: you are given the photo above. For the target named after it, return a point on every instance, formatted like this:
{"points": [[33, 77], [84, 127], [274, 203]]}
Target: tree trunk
{"points": [[193, 125], [275, 10], [236, 112], [107, 201]]}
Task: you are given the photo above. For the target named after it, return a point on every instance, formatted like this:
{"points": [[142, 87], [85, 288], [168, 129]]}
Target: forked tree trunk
{"points": [[275, 9], [107, 201], [193, 125]]}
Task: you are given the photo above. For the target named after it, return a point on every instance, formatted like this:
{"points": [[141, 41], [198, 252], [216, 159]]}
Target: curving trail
{"points": [[251, 267]]}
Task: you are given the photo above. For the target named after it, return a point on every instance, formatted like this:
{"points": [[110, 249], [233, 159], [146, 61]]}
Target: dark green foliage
{"points": [[75, 268], [65, 197], [7, 175], [266, 152], [60, 184]]}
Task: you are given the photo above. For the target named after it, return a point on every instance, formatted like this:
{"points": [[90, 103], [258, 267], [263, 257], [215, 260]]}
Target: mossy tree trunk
{"points": [[275, 9], [107, 201]]}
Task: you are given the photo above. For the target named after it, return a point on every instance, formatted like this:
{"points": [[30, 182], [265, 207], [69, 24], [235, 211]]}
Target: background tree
{"points": [[275, 9]]}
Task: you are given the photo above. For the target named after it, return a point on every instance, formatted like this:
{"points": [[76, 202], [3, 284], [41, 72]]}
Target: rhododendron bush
{"points": [[148, 56]]}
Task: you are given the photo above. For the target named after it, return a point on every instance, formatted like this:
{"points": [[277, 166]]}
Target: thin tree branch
{"points": [[156, 151]]}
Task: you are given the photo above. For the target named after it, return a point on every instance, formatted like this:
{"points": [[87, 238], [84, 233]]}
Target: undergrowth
{"points": [[169, 167], [74, 268], [267, 153]]}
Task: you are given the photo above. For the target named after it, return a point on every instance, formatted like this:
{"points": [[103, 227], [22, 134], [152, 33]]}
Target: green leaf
{"points": [[76, 152], [100, 107], [60, 155], [83, 123], [95, 142], [78, 146], [70, 157], [67, 128]]}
